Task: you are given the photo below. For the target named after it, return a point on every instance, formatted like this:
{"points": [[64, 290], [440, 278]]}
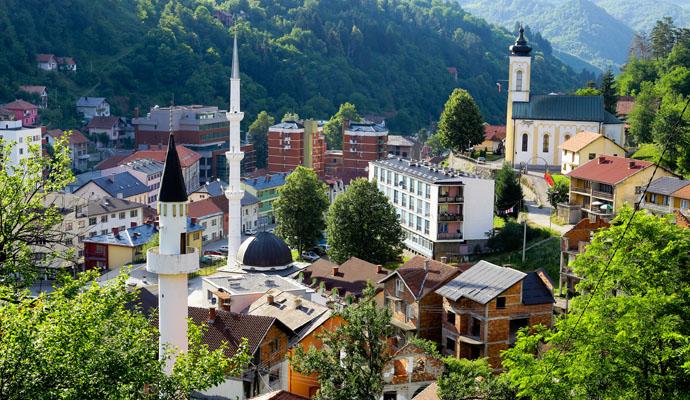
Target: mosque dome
{"points": [[264, 252]]}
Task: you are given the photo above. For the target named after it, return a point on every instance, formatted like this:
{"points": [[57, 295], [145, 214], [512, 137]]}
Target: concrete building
{"points": [[12, 131], [401, 146], [250, 212], [667, 195], [294, 143], [362, 142], [409, 371], [148, 172], [265, 188], [537, 124], [117, 129], [485, 306], [443, 212], [23, 111], [586, 146], [90, 107], [235, 292], [212, 214], [573, 243], [78, 147], [333, 164], [121, 185]]}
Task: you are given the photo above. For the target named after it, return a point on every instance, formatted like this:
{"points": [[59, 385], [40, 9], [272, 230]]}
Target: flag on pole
{"points": [[548, 178], [499, 86]]}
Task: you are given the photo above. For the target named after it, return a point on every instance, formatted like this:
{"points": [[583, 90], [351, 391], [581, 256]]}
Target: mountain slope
{"points": [[577, 27], [387, 56], [641, 15]]}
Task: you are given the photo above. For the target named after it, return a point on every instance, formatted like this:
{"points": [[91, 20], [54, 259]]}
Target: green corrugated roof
{"points": [[564, 108]]}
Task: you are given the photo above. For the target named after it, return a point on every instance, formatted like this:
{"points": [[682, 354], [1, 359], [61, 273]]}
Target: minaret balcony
{"points": [[232, 156], [234, 194], [172, 264], [234, 116]]}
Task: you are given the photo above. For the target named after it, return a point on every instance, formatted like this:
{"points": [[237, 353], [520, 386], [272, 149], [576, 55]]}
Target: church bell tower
{"points": [[519, 78]]}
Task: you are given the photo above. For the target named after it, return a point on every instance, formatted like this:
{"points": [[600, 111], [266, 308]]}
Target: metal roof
{"points": [[266, 182], [564, 108], [90, 101], [481, 283], [427, 173], [666, 185], [123, 183]]}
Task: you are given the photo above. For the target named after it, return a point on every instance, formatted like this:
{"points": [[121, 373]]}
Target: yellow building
{"points": [[603, 185], [586, 146], [668, 194], [537, 124]]}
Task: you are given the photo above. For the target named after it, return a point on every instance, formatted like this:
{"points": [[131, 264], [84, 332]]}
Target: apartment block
{"points": [[363, 142], [294, 143]]}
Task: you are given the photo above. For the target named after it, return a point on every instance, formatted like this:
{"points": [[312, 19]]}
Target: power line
{"points": [[571, 334]]}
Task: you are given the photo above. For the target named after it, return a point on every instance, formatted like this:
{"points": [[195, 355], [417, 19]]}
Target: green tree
{"points": [[362, 223], [82, 341], [632, 342], [608, 90], [436, 147], [508, 190], [663, 37], [643, 114], [350, 363], [300, 209], [587, 91], [290, 116], [465, 379], [29, 223], [558, 193], [461, 125], [333, 129], [258, 135]]}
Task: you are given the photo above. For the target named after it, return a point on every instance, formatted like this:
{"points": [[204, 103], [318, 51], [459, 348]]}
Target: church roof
{"points": [[564, 108], [173, 189], [521, 48]]}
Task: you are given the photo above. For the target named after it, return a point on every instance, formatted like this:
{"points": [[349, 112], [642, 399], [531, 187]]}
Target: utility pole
{"points": [[524, 238]]}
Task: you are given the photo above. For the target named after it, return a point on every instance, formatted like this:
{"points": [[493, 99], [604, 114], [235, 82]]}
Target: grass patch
{"points": [[295, 254], [648, 152], [556, 221], [393, 265], [546, 255]]}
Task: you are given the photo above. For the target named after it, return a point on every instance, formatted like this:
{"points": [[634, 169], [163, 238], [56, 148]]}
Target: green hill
{"points": [[642, 14], [387, 56], [576, 27]]}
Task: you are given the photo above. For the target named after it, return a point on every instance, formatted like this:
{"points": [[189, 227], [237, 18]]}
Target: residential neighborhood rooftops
{"points": [[429, 173], [213, 188], [292, 310], [564, 108], [366, 126], [248, 199], [207, 207], [86, 101], [252, 283], [111, 162], [267, 181], [278, 395], [123, 184], [494, 132], [33, 89], [609, 169], [399, 140], [683, 193], [481, 283], [130, 237], [667, 185], [579, 141], [99, 122], [350, 278], [19, 105], [75, 137], [108, 205], [145, 166], [418, 280], [187, 156], [624, 105]]}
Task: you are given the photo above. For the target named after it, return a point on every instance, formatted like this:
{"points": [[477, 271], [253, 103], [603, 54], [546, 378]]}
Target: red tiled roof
{"points": [[352, 276], [20, 105], [609, 169], [420, 283], [187, 156], [75, 138], [579, 141], [32, 89], [111, 162], [66, 60], [624, 105], [205, 207], [494, 132], [44, 58], [102, 122]]}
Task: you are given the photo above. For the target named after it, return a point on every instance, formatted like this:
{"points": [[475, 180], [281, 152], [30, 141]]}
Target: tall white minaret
{"points": [[172, 260], [234, 156]]}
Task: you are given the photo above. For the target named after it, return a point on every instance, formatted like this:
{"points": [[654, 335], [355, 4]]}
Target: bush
{"points": [[509, 238]]}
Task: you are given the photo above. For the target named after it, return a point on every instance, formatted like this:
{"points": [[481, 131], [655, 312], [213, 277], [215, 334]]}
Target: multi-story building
{"points": [[250, 212], [203, 129], [402, 146], [23, 111], [90, 107], [117, 129], [40, 91], [443, 212], [265, 188], [333, 164], [148, 171], [485, 306], [122, 185], [362, 142], [573, 243], [212, 214], [12, 131], [294, 143], [585, 146], [78, 147], [667, 195], [409, 292], [409, 371], [603, 185]]}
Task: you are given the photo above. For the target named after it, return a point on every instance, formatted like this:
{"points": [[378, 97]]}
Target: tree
{"points": [[350, 363], [300, 209], [435, 146], [633, 339], [333, 129], [608, 90], [290, 116], [362, 223], [82, 341], [558, 193], [643, 114], [508, 190], [461, 125], [28, 220], [465, 379], [587, 91], [663, 37], [258, 135]]}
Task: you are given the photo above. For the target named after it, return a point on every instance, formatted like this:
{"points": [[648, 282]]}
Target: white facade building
{"points": [[444, 213], [91, 107], [234, 155], [12, 132]]}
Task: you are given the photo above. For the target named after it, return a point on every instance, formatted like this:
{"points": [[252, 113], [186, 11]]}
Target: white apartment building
{"points": [[443, 212], [149, 172], [12, 132]]}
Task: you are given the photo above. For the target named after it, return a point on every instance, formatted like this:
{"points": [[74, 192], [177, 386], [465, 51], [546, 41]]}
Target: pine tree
{"points": [[608, 90], [508, 190], [663, 37]]}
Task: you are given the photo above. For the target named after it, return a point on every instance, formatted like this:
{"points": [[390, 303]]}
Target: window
{"points": [[450, 344], [123, 215], [409, 312], [403, 200], [214, 222], [398, 306], [426, 226], [274, 345], [398, 287], [104, 231], [664, 200], [501, 302], [518, 81], [451, 318], [524, 142], [684, 204], [113, 216], [545, 144], [104, 218], [592, 156], [92, 221], [419, 223], [68, 226], [395, 197]]}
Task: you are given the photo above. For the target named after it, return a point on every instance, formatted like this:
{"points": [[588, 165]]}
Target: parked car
{"points": [[481, 160], [224, 249], [250, 232], [214, 257], [318, 251], [212, 253], [310, 256]]}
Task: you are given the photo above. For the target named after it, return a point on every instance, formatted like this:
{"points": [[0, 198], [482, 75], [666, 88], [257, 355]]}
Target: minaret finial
{"points": [[170, 117], [235, 58]]}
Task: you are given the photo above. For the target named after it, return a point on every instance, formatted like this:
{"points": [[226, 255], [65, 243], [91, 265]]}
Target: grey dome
{"points": [[265, 251]]}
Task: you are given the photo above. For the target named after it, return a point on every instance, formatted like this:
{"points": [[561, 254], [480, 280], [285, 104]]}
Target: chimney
{"points": [[116, 231], [211, 315], [270, 299], [136, 112], [298, 302], [602, 159], [426, 265], [335, 270], [379, 268], [631, 164]]}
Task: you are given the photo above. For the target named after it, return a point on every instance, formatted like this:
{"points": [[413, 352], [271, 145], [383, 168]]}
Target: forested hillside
{"points": [[387, 56], [577, 27], [642, 14]]}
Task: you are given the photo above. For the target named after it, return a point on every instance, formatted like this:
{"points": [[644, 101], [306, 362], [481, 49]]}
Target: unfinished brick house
{"points": [[573, 243], [485, 306], [409, 294]]}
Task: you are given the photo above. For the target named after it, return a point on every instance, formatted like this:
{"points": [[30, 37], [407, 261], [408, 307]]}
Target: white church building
{"points": [[537, 124]]}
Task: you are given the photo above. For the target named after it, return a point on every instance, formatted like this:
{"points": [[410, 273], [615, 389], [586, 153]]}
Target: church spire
{"points": [[521, 48]]}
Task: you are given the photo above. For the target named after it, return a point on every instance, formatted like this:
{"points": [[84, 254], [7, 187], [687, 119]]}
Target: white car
{"points": [[310, 256], [223, 249], [250, 232]]}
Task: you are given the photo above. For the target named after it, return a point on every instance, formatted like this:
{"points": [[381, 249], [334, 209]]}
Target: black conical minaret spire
{"points": [[173, 189]]}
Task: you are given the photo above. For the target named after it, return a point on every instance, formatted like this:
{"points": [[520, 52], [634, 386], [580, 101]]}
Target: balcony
{"points": [[581, 189], [450, 199], [602, 195], [449, 236], [450, 217], [657, 208]]}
